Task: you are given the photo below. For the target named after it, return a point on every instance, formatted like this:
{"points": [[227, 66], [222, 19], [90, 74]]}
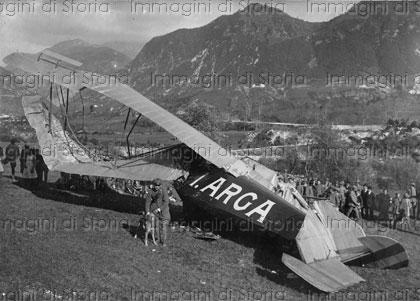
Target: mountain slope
{"points": [[385, 41], [292, 59], [276, 43], [95, 58], [229, 45], [130, 49]]}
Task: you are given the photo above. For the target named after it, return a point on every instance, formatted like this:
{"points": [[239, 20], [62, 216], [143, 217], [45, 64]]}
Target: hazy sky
{"points": [[31, 25]]}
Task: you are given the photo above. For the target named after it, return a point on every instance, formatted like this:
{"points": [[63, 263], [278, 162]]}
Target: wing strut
{"points": [[131, 130], [126, 119], [128, 136], [67, 108], [83, 109], [49, 110]]}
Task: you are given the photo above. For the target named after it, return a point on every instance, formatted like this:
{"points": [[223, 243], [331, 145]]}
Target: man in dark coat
{"points": [[164, 215], [12, 154], [414, 202], [383, 202], [151, 207], [363, 196], [370, 203], [352, 203], [41, 167]]}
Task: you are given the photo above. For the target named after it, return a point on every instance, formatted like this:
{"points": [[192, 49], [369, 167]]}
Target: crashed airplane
{"points": [[325, 238]]}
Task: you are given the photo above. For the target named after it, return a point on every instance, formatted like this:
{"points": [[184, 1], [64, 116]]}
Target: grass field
{"points": [[74, 245]]}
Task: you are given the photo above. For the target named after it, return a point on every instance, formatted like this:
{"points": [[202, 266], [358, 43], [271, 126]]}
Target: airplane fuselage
{"points": [[243, 199]]}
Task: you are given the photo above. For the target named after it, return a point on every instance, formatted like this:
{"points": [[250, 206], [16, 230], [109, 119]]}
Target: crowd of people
{"points": [[33, 169], [360, 201], [353, 199]]}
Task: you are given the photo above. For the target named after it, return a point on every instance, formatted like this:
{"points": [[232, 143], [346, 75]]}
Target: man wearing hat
{"points": [[405, 210], [364, 196], [308, 191], [370, 202], [12, 154], [151, 208], [413, 197], [341, 195], [352, 203], [164, 215]]}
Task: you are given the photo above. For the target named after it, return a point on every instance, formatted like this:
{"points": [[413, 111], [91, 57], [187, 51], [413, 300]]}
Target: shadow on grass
{"points": [[106, 199], [268, 247]]}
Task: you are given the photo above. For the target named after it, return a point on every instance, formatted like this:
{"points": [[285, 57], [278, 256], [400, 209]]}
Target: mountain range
{"points": [[277, 67], [274, 42], [284, 64], [95, 58], [129, 48]]}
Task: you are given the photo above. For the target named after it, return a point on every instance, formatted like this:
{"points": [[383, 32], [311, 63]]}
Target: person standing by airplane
{"points": [[24, 152], [406, 208], [300, 187], [1, 161], [413, 196], [352, 202], [41, 168], [342, 191], [364, 197], [395, 209], [164, 215], [334, 197], [383, 202], [151, 209], [308, 191], [29, 173], [12, 154], [370, 203], [319, 189]]}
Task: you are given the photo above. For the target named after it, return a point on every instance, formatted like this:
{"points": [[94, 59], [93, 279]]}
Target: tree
{"points": [[199, 116]]}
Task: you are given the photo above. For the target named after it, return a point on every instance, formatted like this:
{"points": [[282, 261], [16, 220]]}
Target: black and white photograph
{"points": [[209, 150]]}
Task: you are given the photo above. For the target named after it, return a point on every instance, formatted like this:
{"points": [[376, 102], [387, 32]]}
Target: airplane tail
{"points": [[329, 239], [383, 253]]}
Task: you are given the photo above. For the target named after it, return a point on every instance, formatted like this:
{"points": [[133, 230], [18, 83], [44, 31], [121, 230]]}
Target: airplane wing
{"points": [[62, 153], [195, 140]]}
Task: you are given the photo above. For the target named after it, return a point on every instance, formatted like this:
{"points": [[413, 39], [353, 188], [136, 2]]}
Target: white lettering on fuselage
{"points": [[238, 207], [229, 193], [214, 187], [242, 202]]}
